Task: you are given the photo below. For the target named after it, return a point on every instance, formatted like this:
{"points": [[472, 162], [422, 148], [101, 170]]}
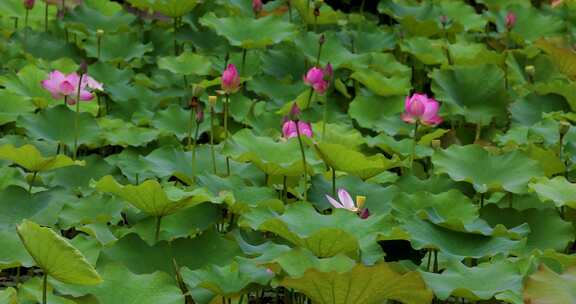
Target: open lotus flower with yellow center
{"points": [[346, 202]]}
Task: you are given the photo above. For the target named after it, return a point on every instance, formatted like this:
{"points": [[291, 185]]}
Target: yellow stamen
{"points": [[360, 200]]}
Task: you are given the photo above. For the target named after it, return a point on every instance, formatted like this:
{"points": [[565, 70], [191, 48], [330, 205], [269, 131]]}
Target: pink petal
{"points": [[408, 118], [430, 109], [289, 129], [67, 88], [86, 95], [346, 199], [320, 87], [334, 202], [305, 129]]}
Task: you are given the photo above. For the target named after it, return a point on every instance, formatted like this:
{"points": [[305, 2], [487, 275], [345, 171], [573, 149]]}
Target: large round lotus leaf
{"points": [[353, 162], [78, 177], [506, 172], [296, 261], [91, 209], [547, 287], [153, 198], [170, 8], [30, 158], [531, 108], [56, 256], [489, 100], [428, 51], [117, 47], [333, 50], [423, 234], [27, 83], [272, 157], [93, 19], [121, 286], [176, 120], [547, 229], [362, 285], [325, 235], [187, 63], [12, 106], [482, 282], [56, 124], [9, 296], [123, 133], [387, 119], [557, 190], [250, 33], [381, 84], [12, 252], [399, 147], [209, 248], [327, 14], [450, 209], [16, 204], [531, 24], [228, 280]]}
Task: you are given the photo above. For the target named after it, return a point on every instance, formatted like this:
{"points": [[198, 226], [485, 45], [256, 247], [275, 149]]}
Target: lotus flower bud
{"points": [[212, 100], [29, 4], [360, 200], [99, 33], [322, 39], [444, 20], [294, 111], [436, 144], [230, 79], [530, 71], [199, 113], [83, 68], [257, 6], [564, 127], [421, 108], [510, 20]]}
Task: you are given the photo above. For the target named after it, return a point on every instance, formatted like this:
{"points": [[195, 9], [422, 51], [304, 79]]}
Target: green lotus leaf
{"points": [[507, 172], [26, 83], [333, 50], [344, 159], [117, 47], [12, 252], [187, 63], [423, 234], [426, 50], [56, 256], [153, 198], [250, 33], [547, 229], [387, 119], [563, 58], [467, 53], [273, 158], [296, 261], [362, 285], [560, 87], [545, 286], [29, 158], [325, 235], [531, 108], [381, 84], [176, 120], [557, 190], [92, 19], [122, 133], [9, 296], [140, 257], [327, 14], [489, 101], [228, 280], [16, 204], [398, 147], [56, 124], [31, 291], [548, 160], [13, 106], [450, 209], [482, 282], [170, 8], [531, 24], [154, 288]]}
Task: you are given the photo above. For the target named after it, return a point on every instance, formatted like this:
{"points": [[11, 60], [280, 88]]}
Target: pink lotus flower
{"points": [[510, 20], [60, 85], [230, 79], [420, 108], [92, 84], [319, 79], [289, 129], [29, 4], [257, 6]]}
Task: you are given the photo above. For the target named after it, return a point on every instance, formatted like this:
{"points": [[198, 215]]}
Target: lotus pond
{"points": [[287, 151]]}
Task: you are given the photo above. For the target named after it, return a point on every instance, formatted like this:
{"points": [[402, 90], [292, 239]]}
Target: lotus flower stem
{"points": [[333, 181], [212, 129], [435, 261], [44, 288], [319, 53], [194, 148], [244, 51], [158, 223], [175, 25], [309, 97], [478, 132], [428, 263], [303, 161], [77, 117], [289, 4], [46, 17], [226, 105], [413, 155], [32, 182], [26, 26], [284, 188], [324, 119]]}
